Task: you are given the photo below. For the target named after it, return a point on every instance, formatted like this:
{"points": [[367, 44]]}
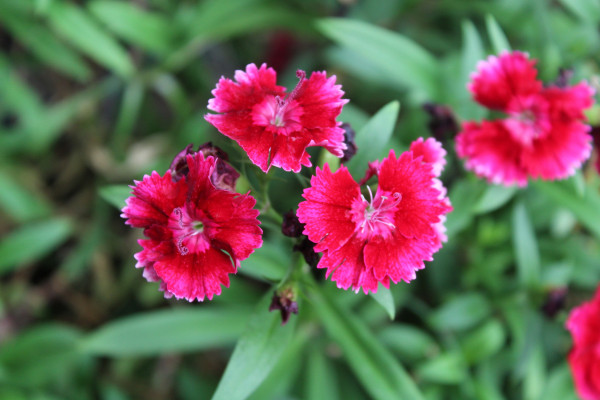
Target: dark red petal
{"points": [[491, 152], [287, 152], [499, 78], [346, 267], [153, 200], [567, 104], [321, 100], [560, 153], [198, 177], [326, 211], [250, 88], [420, 206], [195, 276]]}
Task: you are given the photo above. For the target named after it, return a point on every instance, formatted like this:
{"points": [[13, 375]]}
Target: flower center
{"points": [[376, 216], [188, 233], [279, 115], [528, 119]]}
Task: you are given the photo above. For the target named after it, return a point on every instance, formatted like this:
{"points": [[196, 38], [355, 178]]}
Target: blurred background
{"points": [[94, 94]]}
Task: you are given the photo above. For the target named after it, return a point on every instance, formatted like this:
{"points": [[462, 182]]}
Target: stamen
{"points": [[179, 213], [182, 249], [302, 76]]}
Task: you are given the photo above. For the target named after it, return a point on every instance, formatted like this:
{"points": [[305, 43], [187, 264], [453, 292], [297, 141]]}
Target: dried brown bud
{"points": [[284, 300]]}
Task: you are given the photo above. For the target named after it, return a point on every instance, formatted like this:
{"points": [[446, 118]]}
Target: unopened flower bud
{"points": [[284, 300], [351, 148], [442, 122], [291, 226]]}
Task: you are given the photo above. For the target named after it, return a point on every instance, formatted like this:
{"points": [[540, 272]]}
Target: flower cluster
{"points": [[387, 236], [584, 358], [542, 136]]}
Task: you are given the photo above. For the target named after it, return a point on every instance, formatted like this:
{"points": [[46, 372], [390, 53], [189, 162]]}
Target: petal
{"points": [[330, 138], [559, 153], [421, 205], [347, 268], [195, 276], [499, 78], [321, 100], [287, 152], [250, 88], [326, 209], [432, 152], [491, 152], [198, 177], [567, 104], [258, 146], [153, 200]]}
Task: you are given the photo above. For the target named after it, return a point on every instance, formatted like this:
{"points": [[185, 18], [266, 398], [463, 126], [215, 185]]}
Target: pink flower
{"points": [[275, 128], [196, 233], [543, 135], [386, 237], [584, 358]]}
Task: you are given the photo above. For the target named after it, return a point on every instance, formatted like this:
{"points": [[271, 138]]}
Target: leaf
{"points": [[384, 297], [256, 353], [150, 31], [373, 139], [525, 245], [408, 341], [403, 62], [269, 262], [44, 45], [586, 208], [18, 202], [463, 195], [182, 329], [380, 373], [32, 241], [494, 197], [472, 53], [460, 313], [497, 36], [447, 368], [75, 25], [320, 382], [130, 108], [115, 195], [587, 10], [484, 342]]}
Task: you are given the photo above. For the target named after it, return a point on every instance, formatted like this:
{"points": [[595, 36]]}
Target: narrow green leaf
{"points": [[270, 262], [32, 241], [130, 108], [177, 330], [586, 10], [373, 139], [18, 202], [494, 197], [403, 62], [76, 26], [484, 342], [527, 255], [321, 382], [586, 208], [44, 45], [460, 313], [496, 35], [148, 30], [384, 297], [447, 368], [256, 353], [463, 195], [408, 341], [472, 53], [378, 371], [115, 194]]}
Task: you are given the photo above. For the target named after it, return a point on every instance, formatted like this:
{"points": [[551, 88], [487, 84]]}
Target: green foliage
{"points": [[95, 94]]}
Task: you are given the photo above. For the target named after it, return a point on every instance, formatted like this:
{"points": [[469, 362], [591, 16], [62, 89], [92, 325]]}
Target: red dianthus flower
{"points": [[386, 237], [543, 135], [196, 233], [584, 358], [275, 128]]}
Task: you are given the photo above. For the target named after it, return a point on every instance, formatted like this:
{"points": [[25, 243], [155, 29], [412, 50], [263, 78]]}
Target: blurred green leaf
{"points": [[44, 45], [586, 208], [32, 241], [472, 53], [373, 139], [402, 61], [559, 385], [447, 368], [76, 26], [18, 202], [256, 353], [484, 342], [321, 382], [462, 195], [384, 297], [115, 195], [150, 31], [182, 329], [461, 312], [380, 374], [496, 35], [494, 197], [408, 341], [525, 244], [586, 10], [40, 355], [270, 262], [130, 108]]}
